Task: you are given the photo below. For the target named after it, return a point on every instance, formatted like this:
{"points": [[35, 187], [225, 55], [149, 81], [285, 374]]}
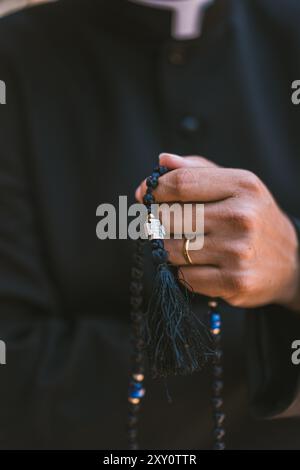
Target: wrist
{"points": [[291, 293]]}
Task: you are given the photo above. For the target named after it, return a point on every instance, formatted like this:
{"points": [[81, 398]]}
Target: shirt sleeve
{"points": [[274, 381], [45, 380], [27, 296]]}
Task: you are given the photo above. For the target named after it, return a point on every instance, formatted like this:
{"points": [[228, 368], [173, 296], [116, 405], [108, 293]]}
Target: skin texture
{"points": [[250, 255]]}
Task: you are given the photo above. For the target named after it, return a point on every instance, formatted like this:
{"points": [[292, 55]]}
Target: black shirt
{"points": [[95, 91]]}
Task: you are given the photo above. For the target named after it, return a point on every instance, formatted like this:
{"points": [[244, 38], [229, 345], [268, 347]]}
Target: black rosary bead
{"points": [[157, 244], [218, 355], [148, 199], [138, 259], [136, 273], [217, 371], [219, 433], [138, 318], [217, 402], [139, 356], [132, 433], [152, 182], [136, 408], [156, 173], [136, 288], [219, 418], [161, 170], [217, 387], [139, 344], [219, 446], [132, 420], [136, 301]]}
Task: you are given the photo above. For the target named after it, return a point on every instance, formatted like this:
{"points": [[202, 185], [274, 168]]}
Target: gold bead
{"points": [[138, 377], [134, 401], [216, 331]]}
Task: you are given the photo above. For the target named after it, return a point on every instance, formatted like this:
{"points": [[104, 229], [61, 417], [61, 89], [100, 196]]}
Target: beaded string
{"points": [[136, 386], [217, 376], [137, 390], [152, 183]]}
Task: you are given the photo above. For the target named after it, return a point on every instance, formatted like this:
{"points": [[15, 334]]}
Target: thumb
{"points": [[173, 162]]}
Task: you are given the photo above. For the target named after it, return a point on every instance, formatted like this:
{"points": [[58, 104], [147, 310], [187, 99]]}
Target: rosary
{"points": [[172, 337]]}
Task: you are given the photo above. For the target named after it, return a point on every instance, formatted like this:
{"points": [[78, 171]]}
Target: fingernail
{"points": [[172, 155]]}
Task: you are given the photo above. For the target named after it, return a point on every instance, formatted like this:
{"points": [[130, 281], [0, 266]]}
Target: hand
{"points": [[250, 253]]}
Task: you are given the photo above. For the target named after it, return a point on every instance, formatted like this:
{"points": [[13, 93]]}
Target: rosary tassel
{"points": [[176, 338]]}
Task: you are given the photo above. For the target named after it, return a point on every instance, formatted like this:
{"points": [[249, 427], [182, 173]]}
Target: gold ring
{"points": [[186, 254]]}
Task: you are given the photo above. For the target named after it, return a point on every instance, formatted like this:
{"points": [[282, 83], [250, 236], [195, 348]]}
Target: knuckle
{"points": [[243, 219], [249, 181], [182, 178], [240, 252]]}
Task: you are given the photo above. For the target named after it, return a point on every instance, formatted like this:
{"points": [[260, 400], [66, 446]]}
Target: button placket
{"points": [[183, 125]]}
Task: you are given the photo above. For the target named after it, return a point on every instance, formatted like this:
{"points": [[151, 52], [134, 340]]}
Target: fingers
{"points": [[195, 185], [182, 218], [233, 287], [175, 161], [220, 218], [206, 256], [216, 251]]}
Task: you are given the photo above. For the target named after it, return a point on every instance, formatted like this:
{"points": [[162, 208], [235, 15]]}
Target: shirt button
{"points": [[190, 124], [177, 55]]}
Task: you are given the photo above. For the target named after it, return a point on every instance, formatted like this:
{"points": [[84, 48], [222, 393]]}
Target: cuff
{"points": [[274, 381]]}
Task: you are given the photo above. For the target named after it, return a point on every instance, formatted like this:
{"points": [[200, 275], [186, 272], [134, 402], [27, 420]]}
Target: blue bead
{"points": [[215, 316], [137, 394], [215, 321], [136, 390], [135, 385]]}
